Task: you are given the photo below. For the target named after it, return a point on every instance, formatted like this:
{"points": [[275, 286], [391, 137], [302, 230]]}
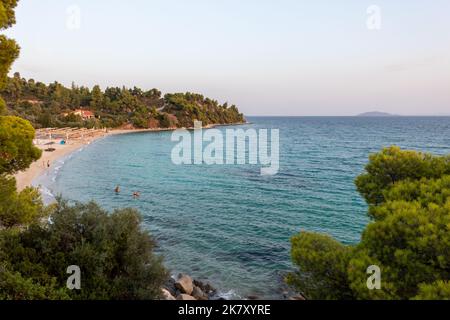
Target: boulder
{"points": [[184, 284], [197, 293], [170, 286], [185, 297], [206, 288], [167, 295]]}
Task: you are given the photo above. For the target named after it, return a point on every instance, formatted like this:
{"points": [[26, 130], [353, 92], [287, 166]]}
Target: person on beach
{"points": [[48, 163]]}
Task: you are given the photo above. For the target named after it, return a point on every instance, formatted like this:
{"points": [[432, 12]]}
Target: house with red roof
{"points": [[84, 114]]}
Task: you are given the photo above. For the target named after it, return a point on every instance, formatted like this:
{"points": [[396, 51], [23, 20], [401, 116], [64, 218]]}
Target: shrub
{"points": [[113, 252]]}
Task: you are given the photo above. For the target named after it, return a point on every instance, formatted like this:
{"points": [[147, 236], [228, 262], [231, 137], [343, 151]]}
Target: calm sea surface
{"points": [[227, 223]]}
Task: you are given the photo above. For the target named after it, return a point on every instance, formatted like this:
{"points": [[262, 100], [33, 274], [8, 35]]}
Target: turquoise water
{"points": [[228, 224]]}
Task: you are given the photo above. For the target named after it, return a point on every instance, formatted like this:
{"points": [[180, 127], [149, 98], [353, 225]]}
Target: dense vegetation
{"points": [[51, 106], [38, 243], [113, 252], [408, 194]]}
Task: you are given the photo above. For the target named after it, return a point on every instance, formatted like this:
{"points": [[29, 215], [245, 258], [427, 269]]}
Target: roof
{"points": [[84, 113]]}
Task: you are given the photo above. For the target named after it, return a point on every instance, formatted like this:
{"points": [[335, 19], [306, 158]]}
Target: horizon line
{"points": [[348, 116]]}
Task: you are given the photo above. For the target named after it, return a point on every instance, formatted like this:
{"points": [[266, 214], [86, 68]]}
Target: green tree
{"points": [[17, 151], [7, 14], [392, 165], [9, 50], [409, 238], [114, 253], [97, 97], [15, 287], [18, 208], [440, 290], [322, 265]]}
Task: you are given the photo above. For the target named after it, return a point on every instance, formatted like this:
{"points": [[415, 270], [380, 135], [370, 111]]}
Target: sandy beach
{"points": [[25, 178]]}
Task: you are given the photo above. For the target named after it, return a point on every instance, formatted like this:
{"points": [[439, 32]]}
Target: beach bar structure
{"points": [[67, 134]]}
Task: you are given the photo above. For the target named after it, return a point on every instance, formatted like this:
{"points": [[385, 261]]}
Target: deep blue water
{"points": [[229, 224]]}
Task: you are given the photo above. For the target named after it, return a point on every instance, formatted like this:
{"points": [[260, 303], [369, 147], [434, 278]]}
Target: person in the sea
{"points": [[117, 189], [136, 195]]}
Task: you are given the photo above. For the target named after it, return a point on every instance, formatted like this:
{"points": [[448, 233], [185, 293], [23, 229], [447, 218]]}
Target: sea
{"points": [[228, 224]]}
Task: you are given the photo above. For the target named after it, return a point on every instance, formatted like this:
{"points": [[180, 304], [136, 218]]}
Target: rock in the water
{"points": [[199, 294], [185, 297], [184, 284], [167, 295], [170, 286], [206, 288]]}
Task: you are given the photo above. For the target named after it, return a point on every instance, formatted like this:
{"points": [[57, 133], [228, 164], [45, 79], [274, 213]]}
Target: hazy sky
{"points": [[287, 57]]}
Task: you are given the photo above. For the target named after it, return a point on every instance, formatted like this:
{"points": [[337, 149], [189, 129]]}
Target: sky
{"points": [[284, 57]]}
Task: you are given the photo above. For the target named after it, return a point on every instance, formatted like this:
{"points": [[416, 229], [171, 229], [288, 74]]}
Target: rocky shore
{"points": [[186, 288]]}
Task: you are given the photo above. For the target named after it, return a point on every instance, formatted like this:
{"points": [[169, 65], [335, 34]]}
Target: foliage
{"points": [[7, 15], [315, 253], [13, 286], [113, 252], [2, 107], [190, 106], [9, 50], [409, 239], [17, 151], [48, 105], [18, 208], [392, 165], [440, 290]]}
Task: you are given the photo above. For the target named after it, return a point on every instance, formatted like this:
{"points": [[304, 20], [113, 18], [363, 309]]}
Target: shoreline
{"points": [[203, 288], [26, 178]]}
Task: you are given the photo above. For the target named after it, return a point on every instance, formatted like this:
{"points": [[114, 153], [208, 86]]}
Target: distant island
{"points": [[376, 114]]}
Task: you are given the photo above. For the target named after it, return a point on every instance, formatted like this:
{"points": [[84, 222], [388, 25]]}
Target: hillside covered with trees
{"points": [[53, 105]]}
